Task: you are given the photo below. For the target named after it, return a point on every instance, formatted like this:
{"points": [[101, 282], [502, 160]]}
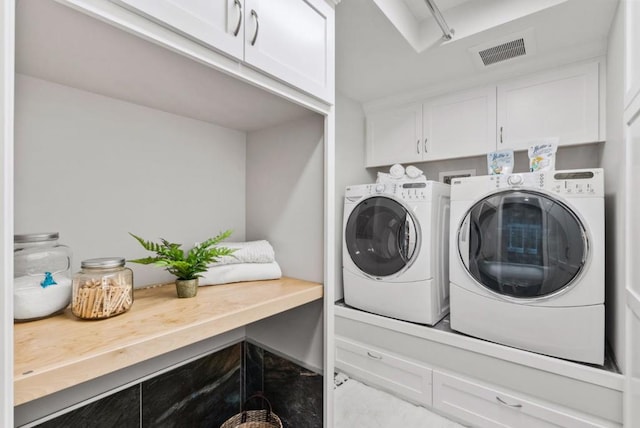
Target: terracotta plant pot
{"points": [[187, 287]]}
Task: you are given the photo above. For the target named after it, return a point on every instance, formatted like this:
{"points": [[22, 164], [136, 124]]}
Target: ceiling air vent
{"points": [[503, 52], [506, 48]]}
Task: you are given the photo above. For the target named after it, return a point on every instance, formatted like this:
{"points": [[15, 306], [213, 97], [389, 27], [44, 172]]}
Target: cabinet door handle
{"points": [[501, 135], [418, 147], [239, 6], [254, 14], [425, 145], [514, 406], [374, 356]]}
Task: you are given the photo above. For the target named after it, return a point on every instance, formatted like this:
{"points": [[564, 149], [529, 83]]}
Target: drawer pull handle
{"points": [[501, 401], [374, 356]]}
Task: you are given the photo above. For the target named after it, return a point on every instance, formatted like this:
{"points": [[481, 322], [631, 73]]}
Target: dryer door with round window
{"points": [[381, 237], [523, 244]]}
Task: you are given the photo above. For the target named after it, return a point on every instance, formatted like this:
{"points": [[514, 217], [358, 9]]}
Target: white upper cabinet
{"points": [[462, 124], [395, 136], [291, 40], [563, 103], [215, 23], [456, 125]]}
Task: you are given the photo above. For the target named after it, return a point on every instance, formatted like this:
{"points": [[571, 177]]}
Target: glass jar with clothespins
{"points": [[103, 288], [42, 276]]}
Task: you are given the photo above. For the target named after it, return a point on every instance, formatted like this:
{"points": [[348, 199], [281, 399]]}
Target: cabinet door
{"points": [[215, 23], [395, 136], [459, 125], [390, 372], [483, 405], [632, 48], [632, 274], [563, 104], [292, 40]]}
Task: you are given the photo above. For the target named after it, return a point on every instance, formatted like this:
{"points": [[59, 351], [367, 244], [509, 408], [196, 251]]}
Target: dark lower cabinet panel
{"points": [[253, 370], [294, 392], [203, 393], [206, 392], [121, 410]]}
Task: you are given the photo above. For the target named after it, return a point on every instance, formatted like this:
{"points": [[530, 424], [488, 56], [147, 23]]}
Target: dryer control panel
{"points": [[575, 183]]}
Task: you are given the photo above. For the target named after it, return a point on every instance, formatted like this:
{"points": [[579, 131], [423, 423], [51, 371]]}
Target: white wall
{"points": [[285, 205], [572, 157], [350, 156], [613, 156], [94, 168]]}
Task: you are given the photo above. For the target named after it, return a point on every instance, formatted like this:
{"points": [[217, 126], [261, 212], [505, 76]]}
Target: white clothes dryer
{"points": [[527, 261], [395, 250]]}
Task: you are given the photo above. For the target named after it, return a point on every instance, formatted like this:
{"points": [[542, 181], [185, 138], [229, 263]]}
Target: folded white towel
{"points": [[413, 172], [396, 171], [386, 178], [240, 272], [247, 252]]}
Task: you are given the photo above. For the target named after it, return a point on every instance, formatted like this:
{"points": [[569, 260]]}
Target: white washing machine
{"points": [[395, 250], [527, 261]]}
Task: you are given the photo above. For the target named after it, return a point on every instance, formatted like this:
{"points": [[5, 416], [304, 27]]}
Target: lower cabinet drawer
{"points": [[482, 405], [390, 372]]}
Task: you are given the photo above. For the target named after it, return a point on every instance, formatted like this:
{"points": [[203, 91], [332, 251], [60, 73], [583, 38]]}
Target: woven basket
{"points": [[264, 418]]}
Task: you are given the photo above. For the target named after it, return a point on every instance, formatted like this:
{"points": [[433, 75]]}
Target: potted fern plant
{"points": [[186, 267]]}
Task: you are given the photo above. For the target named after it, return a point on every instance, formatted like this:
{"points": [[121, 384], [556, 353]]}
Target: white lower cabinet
{"points": [[384, 370], [484, 405]]}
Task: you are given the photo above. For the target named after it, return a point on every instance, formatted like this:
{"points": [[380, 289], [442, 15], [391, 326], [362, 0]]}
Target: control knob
{"points": [[514, 180], [380, 188]]}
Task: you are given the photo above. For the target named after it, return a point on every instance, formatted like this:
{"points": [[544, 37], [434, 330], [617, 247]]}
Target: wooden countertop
{"points": [[63, 351]]}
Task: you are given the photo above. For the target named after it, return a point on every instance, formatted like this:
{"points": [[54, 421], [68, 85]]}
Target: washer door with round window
{"points": [[523, 245], [381, 237]]}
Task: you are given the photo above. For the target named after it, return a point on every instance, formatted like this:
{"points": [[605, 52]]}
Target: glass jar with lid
{"points": [[42, 276], [103, 288]]}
